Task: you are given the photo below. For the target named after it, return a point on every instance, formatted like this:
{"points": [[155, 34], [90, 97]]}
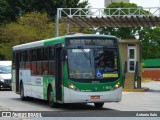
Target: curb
{"points": [[136, 89]]}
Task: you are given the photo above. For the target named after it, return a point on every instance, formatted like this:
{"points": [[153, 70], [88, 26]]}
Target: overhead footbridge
{"points": [[108, 17]]}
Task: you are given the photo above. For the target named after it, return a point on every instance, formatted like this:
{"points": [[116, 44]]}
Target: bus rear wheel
{"points": [[98, 105], [23, 98], [50, 98]]}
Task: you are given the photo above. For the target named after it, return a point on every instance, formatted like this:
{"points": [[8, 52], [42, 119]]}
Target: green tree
{"points": [[5, 11], [49, 6], [30, 27], [9, 10], [150, 39]]}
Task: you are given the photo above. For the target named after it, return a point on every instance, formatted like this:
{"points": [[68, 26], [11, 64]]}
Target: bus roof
{"points": [[38, 43], [56, 40], [89, 35]]}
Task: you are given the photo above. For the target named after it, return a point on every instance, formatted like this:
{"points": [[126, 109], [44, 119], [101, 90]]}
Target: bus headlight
{"points": [[72, 87], [117, 85]]}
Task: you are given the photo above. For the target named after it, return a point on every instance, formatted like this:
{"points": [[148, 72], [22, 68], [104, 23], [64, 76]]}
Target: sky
{"points": [[144, 3]]}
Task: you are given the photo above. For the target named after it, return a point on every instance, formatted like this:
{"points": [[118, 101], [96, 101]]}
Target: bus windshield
{"points": [[92, 63]]}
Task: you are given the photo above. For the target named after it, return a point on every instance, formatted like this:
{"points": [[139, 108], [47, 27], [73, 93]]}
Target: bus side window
{"points": [[45, 63], [34, 58], [39, 61], [46, 54], [39, 68], [27, 61], [45, 68]]}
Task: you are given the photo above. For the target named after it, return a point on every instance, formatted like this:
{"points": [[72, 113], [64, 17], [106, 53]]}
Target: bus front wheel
{"points": [[50, 98], [23, 98], [98, 105]]}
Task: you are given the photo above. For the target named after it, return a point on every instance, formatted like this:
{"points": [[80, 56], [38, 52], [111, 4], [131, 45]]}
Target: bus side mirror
{"points": [[63, 54]]}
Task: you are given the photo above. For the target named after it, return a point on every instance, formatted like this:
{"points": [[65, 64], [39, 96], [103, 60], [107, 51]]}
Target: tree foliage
{"points": [[31, 27], [30, 20], [28, 28], [5, 12], [150, 39], [11, 9], [48, 6]]}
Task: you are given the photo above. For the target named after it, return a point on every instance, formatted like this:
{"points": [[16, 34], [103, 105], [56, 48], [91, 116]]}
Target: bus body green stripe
{"points": [[48, 80], [54, 41]]}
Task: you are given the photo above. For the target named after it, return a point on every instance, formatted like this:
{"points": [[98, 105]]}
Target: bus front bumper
{"points": [[71, 96]]}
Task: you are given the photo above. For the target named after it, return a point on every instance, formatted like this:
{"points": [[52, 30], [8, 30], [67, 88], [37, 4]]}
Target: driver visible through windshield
{"points": [[93, 63]]}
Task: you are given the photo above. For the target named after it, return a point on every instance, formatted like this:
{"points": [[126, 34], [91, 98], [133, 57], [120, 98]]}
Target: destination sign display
{"points": [[81, 41]]}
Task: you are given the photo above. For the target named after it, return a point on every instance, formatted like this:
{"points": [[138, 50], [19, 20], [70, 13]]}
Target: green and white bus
{"points": [[78, 68]]}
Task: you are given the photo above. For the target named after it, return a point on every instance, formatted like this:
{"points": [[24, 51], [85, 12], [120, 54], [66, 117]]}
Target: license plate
{"points": [[95, 97]]}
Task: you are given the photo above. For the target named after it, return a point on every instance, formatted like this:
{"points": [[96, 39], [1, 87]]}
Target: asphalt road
{"points": [[140, 102]]}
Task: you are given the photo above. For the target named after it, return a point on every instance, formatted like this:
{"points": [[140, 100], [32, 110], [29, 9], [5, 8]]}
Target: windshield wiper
{"points": [[85, 53]]}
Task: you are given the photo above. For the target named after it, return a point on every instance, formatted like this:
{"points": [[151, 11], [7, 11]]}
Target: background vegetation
{"points": [[23, 21]]}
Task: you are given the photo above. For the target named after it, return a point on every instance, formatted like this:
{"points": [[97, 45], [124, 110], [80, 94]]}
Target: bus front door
{"points": [[58, 76]]}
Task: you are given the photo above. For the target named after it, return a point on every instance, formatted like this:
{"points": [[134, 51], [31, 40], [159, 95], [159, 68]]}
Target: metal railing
{"points": [[104, 12], [107, 12], [137, 77]]}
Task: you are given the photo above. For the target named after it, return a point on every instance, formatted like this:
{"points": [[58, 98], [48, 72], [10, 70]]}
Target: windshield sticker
{"points": [[99, 73], [110, 75]]}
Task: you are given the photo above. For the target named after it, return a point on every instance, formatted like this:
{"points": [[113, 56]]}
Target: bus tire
{"points": [[98, 105], [50, 99], [23, 98]]}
